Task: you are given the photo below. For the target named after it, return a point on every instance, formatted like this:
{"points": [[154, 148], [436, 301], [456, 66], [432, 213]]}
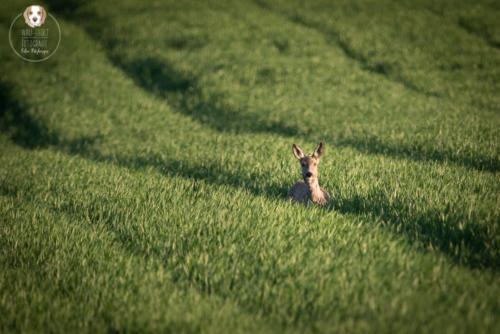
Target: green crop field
{"points": [[144, 168]]}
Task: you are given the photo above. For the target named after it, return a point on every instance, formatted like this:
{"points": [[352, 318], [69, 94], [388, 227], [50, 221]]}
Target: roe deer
{"points": [[308, 189]]}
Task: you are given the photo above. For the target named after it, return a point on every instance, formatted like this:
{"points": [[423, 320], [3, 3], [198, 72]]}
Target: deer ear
{"points": [[318, 152], [297, 151]]}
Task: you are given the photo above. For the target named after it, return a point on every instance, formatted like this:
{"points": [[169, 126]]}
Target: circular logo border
{"points": [[34, 60]]}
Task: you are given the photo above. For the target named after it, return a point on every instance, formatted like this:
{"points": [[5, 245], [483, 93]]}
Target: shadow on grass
{"points": [[449, 232], [18, 124], [373, 145], [209, 171], [154, 75], [183, 92], [468, 244], [159, 77], [479, 28], [391, 71]]}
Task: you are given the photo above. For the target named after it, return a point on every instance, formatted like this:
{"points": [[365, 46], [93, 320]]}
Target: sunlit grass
{"points": [[144, 169]]}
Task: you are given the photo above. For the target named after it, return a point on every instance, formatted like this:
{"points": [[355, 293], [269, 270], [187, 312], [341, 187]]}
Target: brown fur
{"points": [[44, 15], [25, 14], [308, 188]]}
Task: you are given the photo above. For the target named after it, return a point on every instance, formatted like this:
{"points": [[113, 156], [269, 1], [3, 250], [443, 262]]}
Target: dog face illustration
{"points": [[34, 16]]}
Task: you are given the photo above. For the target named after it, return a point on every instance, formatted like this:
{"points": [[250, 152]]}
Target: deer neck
{"points": [[314, 189]]}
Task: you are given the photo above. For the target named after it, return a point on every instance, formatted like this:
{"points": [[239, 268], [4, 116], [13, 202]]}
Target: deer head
{"points": [[309, 164]]}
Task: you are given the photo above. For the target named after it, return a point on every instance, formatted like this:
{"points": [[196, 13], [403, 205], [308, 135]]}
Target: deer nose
{"points": [[308, 174]]}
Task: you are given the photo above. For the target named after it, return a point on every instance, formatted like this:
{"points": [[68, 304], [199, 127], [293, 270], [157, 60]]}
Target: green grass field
{"points": [[144, 168]]}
